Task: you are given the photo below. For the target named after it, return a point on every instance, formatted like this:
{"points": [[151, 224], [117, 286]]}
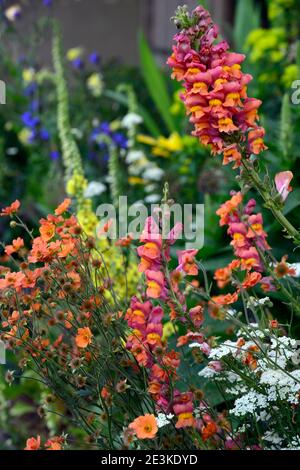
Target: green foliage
{"points": [[70, 151], [247, 18], [156, 84]]}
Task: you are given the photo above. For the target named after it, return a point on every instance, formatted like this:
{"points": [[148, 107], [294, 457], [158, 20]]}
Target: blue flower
{"points": [[44, 135], [78, 63], [120, 140], [30, 120], [54, 155], [47, 3], [105, 128], [33, 137], [30, 89], [95, 58], [34, 106]]}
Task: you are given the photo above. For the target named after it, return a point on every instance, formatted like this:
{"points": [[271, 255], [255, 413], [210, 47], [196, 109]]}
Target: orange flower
{"points": [[145, 427], [209, 430], [16, 245], [63, 207], [251, 280], [225, 299], [222, 276], [84, 337], [283, 269], [10, 209], [66, 249], [187, 262], [185, 420], [47, 231], [229, 207], [33, 443], [55, 443]]}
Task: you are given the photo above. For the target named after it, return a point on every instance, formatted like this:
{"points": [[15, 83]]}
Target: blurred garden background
{"points": [[131, 129]]}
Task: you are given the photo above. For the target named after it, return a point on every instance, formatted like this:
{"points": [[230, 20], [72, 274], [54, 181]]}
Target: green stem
{"points": [[270, 203]]}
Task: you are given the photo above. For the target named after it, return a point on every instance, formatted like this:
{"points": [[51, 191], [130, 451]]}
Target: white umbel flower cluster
{"points": [[261, 372], [163, 420]]}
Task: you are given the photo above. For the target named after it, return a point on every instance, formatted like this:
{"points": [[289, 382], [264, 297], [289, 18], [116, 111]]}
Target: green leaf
{"points": [[155, 82], [247, 18]]}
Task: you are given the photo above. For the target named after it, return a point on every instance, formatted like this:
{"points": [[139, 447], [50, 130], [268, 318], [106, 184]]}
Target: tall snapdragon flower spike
{"points": [[215, 89]]}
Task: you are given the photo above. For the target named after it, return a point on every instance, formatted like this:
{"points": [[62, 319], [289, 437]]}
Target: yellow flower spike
{"points": [[87, 218], [145, 139], [172, 143], [136, 180], [76, 185], [24, 135], [28, 75], [159, 152], [74, 53], [95, 84]]}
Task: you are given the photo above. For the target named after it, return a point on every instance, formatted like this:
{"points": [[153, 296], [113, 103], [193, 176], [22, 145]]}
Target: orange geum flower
{"points": [[145, 427], [33, 443], [14, 248], [12, 209], [84, 337], [251, 280], [47, 231], [223, 276], [225, 299], [282, 269], [66, 249], [63, 207]]}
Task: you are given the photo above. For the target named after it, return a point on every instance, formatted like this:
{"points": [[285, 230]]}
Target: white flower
{"points": [[250, 403], [94, 188], [207, 372], [12, 151], [150, 188], [253, 302], [272, 437], [152, 198], [134, 156], [228, 347], [163, 420], [294, 444], [153, 173], [13, 12], [131, 120]]}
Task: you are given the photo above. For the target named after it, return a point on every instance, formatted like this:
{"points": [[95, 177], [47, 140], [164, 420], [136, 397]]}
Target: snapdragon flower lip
{"points": [[215, 89]]}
